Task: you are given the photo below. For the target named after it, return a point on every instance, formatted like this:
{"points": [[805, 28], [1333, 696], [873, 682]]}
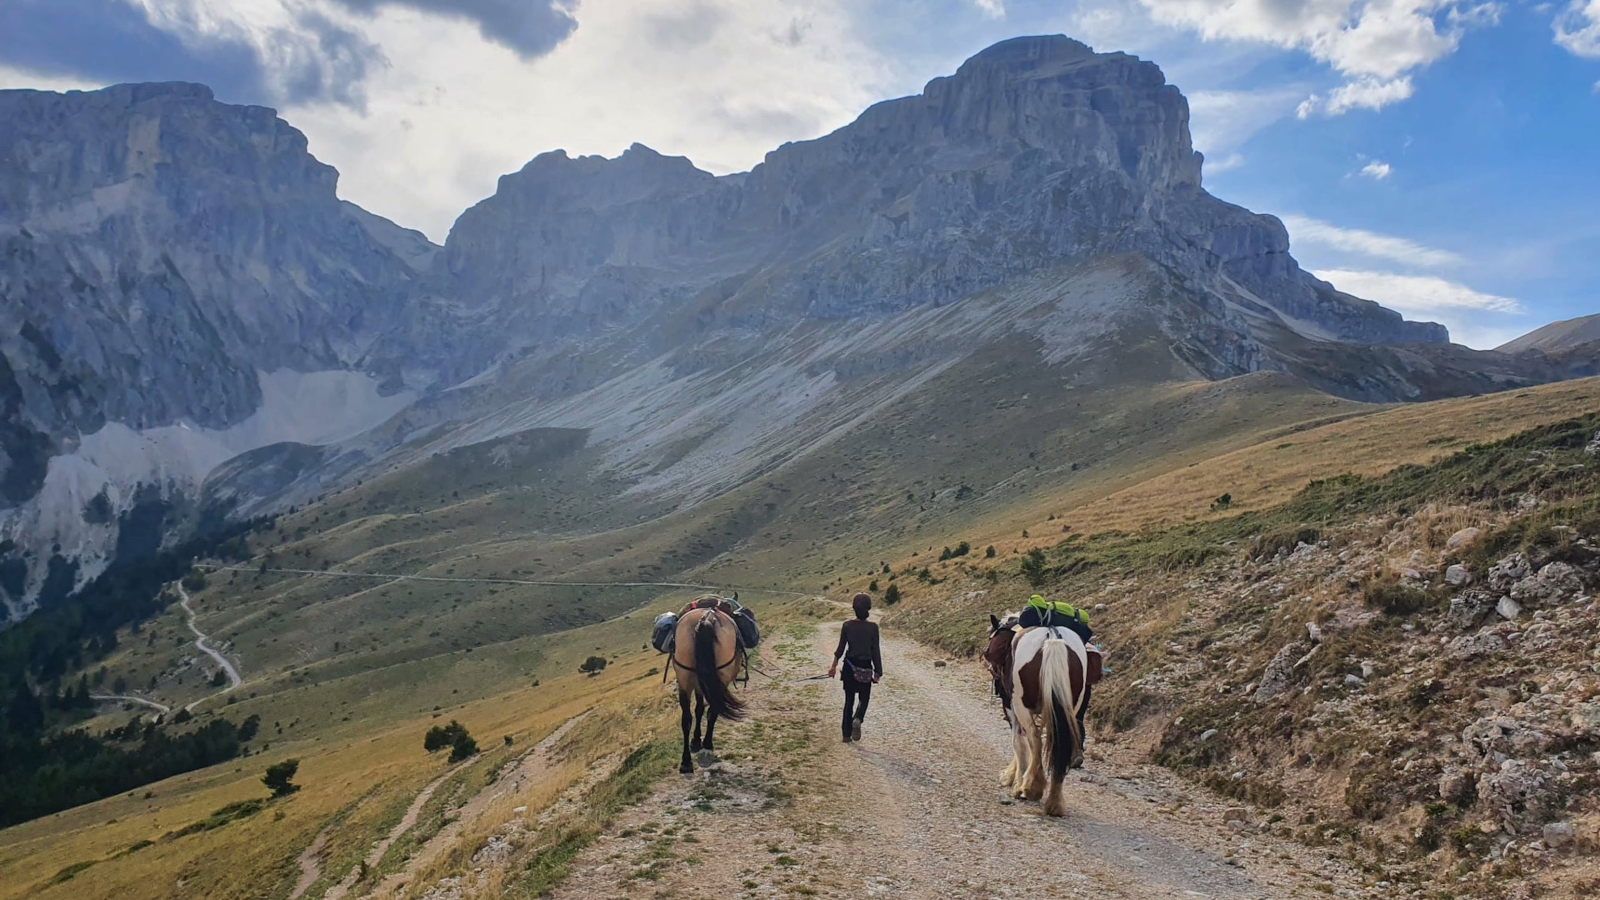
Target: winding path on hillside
{"points": [[916, 810], [200, 641], [130, 698]]}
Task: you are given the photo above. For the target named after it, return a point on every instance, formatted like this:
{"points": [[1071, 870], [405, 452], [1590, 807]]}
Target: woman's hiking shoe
{"points": [[855, 730], [847, 739]]}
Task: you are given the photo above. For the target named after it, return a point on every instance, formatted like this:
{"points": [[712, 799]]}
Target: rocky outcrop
{"points": [[159, 251], [168, 263], [1037, 152]]}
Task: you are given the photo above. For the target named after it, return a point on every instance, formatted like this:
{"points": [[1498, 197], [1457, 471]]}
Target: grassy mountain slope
{"points": [[1147, 455]]}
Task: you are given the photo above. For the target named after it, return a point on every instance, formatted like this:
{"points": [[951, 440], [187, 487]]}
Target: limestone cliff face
{"points": [[159, 251], [164, 247], [1037, 153]]}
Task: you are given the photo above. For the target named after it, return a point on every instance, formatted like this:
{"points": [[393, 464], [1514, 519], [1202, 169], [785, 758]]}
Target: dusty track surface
{"points": [[916, 809], [200, 639]]}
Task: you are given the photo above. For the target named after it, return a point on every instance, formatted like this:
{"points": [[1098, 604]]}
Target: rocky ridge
{"points": [[173, 264], [162, 255]]}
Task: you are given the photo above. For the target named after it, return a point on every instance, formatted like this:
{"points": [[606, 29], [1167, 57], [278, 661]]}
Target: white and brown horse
{"points": [[1041, 675], [710, 640]]}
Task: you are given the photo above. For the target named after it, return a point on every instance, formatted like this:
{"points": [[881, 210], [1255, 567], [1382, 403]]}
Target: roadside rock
{"points": [[1504, 575], [1456, 785], [1514, 791], [1481, 644], [1278, 675], [1558, 835], [1235, 814], [1469, 610], [1508, 608], [1494, 738], [1593, 449], [1586, 718], [1457, 575], [1463, 539], [1554, 583]]}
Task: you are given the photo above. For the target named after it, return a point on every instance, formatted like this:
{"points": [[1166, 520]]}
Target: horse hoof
{"points": [[686, 769]]}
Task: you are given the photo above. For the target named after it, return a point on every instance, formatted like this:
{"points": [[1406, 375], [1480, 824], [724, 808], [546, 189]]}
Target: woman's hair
{"points": [[862, 604]]}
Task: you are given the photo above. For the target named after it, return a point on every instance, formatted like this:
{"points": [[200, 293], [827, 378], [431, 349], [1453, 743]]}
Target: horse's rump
{"points": [[712, 636]]}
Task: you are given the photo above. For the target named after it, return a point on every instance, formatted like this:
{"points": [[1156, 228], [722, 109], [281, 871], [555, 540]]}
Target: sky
{"points": [[1439, 156]]}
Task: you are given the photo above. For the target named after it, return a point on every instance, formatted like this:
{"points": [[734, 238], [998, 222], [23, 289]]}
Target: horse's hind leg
{"points": [[686, 766], [1033, 778], [711, 726], [1008, 778], [699, 711], [1055, 803]]}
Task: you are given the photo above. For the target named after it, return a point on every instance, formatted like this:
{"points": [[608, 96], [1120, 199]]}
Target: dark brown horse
{"points": [[711, 640]]}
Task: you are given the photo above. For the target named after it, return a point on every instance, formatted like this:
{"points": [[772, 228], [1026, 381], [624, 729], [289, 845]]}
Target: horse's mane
{"points": [[1008, 620]]}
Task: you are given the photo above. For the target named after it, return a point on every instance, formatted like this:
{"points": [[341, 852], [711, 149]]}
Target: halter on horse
{"points": [[1050, 666], [711, 637]]}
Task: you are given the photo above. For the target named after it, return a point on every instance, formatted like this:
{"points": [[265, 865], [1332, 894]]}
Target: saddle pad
{"points": [[1096, 669]]}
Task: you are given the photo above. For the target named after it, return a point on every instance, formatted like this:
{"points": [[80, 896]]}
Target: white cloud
{"points": [[1224, 163], [994, 9], [1363, 93], [1221, 121], [1415, 293], [17, 78], [1377, 170], [1577, 29], [460, 112], [1472, 316], [1375, 44], [1305, 230]]}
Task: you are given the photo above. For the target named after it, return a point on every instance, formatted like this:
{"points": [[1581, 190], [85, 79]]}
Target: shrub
{"points": [[1223, 502], [442, 736], [989, 553], [1267, 545], [1033, 567], [194, 581], [1394, 597], [873, 587], [892, 595], [593, 665], [463, 747], [279, 778]]}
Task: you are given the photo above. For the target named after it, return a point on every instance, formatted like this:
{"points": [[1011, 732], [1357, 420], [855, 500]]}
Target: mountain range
{"points": [[195, 326]]}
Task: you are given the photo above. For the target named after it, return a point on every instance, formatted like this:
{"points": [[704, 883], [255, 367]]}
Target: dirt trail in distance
{"points": [[916, 810], [200, 639]]}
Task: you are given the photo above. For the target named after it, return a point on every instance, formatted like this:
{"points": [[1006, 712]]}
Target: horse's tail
{"points": [[721, 701], [1060, 702]]}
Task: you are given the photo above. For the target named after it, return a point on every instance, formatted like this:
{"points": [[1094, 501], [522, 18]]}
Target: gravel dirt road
{"points": [[916, 810]]}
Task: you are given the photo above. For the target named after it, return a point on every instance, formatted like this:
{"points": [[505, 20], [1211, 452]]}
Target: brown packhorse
{"points": [[709, 637]]}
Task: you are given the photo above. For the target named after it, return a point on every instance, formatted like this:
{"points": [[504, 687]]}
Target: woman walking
{"points": [[863, 665]]}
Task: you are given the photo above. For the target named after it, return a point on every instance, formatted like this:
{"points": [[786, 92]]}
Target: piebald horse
{"points": [[1040, 675], [710, 640]]}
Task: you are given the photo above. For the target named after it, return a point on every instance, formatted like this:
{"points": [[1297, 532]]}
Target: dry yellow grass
{"points": [[1278, 462], [355, 782], [1273, 470]]}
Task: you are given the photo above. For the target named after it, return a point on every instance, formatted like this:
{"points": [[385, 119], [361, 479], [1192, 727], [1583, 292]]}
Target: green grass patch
{"points": [[233, 812], [70, 872]]}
